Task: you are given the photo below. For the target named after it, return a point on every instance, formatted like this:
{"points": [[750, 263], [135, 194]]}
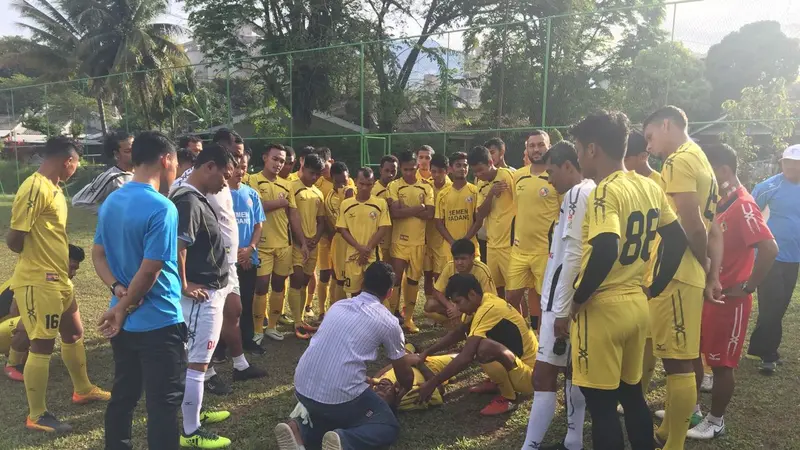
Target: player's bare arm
{"points": [[766, 252], [447, 341], [404, 374], [442, 229], [297, 229], [687, 205], [321, 228], [272, 205], [376, 238], [713, 290], [188, 289], [397, 210], [427, 213], [245, 254], [604, 253], [464, 358], [15, 240]]}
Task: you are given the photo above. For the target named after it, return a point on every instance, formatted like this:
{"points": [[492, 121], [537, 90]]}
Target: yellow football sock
{"points": [[259, 311], [322, 296], [394, 301], [499, 375], [648, 365], [37, 371], [275, 308], [296, 303], [410, 293], [74, 357], [681, 399], [15, 357]]}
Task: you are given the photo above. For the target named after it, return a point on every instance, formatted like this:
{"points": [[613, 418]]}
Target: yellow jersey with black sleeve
{"points": [[411, 230], [433, 237], [275, 232], [40, 210], [633, 208], [409, 402], [500, 221], [479, 270], [362, 220], [497, 320], [292, 177], [540, 207], [310, 205], [655, 249], [688, 171]]}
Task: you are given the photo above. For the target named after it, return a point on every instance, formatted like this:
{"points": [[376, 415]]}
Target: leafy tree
{"points": [[758, 51]]}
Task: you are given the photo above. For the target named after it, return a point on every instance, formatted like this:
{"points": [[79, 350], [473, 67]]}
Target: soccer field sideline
{"points": [[757, 417]]}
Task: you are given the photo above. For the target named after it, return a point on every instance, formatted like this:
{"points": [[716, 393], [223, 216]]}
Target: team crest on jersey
{"points": [[544, 192], [373, 215], [469, 199], [281, 195]]}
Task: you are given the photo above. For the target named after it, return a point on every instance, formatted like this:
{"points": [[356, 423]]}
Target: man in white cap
{"points": [[777, 198]]}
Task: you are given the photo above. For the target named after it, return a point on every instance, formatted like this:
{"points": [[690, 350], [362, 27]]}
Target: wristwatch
{"points": [[747, 288], [114, 287]]}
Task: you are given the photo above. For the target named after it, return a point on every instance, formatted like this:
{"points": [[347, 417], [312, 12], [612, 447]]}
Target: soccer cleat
{"points": [[273, 334], [285, 437], [767, 368], [209, 417], [409, 327], [484, 387], [708, 383], [309, 310], [302, 334], [554, 447], [285, 320], [216, 386], [95, 395], [48, 423], [204, 439], [498, 405], [331, 441], [14, 373], [706, 430], [251, 373], [696, 417]]}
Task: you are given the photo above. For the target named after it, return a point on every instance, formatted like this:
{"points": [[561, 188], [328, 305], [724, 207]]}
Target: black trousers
{"points": [[247, 287], [156, 361], [774, 296]]}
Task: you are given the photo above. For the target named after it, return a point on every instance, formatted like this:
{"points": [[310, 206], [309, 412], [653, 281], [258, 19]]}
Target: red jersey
{"points": [[743, 227]]}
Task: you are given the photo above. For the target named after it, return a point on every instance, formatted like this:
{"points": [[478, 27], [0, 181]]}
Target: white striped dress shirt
{"points": [[333, 369]]}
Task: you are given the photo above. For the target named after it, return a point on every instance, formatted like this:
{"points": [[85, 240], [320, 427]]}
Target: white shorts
{"points": [[204, 323], [233, 280], [547, 340]]}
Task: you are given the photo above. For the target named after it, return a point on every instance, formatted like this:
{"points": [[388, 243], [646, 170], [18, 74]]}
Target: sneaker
{"points": [[302, 334], [258, 338], [498, 405], [285, 320], [216, 386], [706, 430], [202, 438], [409, 327], [251, 373], [485, 387], [14, 373], [285, 437], [94, 395], [708, 383], [253, 348], [696, 417], [309, 310], [331, 441], [209, 417], [48, 423], [767, 368], [273, 334]]}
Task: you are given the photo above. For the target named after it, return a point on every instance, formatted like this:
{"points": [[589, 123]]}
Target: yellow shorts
{"points": [[41, 308], [7, 328], [436, 258], [297, 260], [608, 341], [274, 260], [526, 270], [414, 256], [338, 256], [676, 316], [498, 260], [324, 254], [354, 275]]}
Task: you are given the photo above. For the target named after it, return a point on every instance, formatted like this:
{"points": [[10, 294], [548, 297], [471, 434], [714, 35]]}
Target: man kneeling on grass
{"points": [[497, 337]]}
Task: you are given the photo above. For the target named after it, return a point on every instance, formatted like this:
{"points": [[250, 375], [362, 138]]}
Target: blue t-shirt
{"points": [[135, 223], [248, 210], [780, 197]]}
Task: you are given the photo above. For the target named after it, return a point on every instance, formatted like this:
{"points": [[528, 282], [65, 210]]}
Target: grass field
{"points": [[760, 416]]}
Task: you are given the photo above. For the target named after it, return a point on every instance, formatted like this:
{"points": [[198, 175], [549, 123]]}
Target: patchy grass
{"points": [[758, 418]]}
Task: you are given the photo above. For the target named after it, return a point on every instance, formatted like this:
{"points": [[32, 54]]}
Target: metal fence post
{"points": [[364, 146], [46, 112], [669, 59], [14, 138], [546, 70], [228, 91], [291, 100]]}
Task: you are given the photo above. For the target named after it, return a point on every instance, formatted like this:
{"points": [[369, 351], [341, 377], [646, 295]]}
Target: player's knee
{"points": [[676, 366], [200, 367], [278, 283], [232, 309], [262, 286], [43, 346], [432, 307], [324, 276], [545, 377], [296, 280]]}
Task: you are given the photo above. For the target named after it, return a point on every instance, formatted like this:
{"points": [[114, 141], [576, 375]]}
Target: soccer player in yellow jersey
{"points": [[412, 206], [311, 209], [387, 173], [497, 150], [609, 308], [42, 288], [287, 170], [333, 203], [456, 204], [464, 261], [424, 155], [538, 206], [363, 222], [437, 251], [688, 180], [275, 248], [497, 206], [301, 158], [497, 337], [311, 288]]}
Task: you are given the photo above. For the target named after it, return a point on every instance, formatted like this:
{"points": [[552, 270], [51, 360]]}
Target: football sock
{"points": [[74, 357], [259, 310], [192, 401], [410, 293], [275, 308], [296, 303], [714, 419], [15, 357], [542, 411], [576, 413], [322, 296], [36, 374], [681, 398], [209, 373], [240, 362], [499, 376], [648, 366]]}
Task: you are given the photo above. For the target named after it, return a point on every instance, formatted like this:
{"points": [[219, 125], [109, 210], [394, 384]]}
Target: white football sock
{"points": [[542, 411], [715, 420], [576, 413], [240, 362], [192, 401], [210, 373]]}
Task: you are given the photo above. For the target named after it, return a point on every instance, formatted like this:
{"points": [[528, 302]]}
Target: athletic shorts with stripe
{"points": [[675, 321], [204, 323], [547, 340], [40, 309], [723, 331]]}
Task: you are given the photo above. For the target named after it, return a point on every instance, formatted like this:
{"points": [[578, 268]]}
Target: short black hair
{"points": [[61, 146], [271, 146], [111, 142], [290, 151], [378, 279], [366, 172], [313, 162], [440, 161], [76, 253], [186, 156], [457, 156], [669, 112], [721, 155], [186, 140], [478, 155], [462, 247], [305, 151], [214, 153], [406, 157], [561, 153], [338, 168], [225, 136], [539, 133], [608, 129], [460, 284], [149, 146], [495, 142], [389, 159], [324, 153], [426, 148], [637, 144]]}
